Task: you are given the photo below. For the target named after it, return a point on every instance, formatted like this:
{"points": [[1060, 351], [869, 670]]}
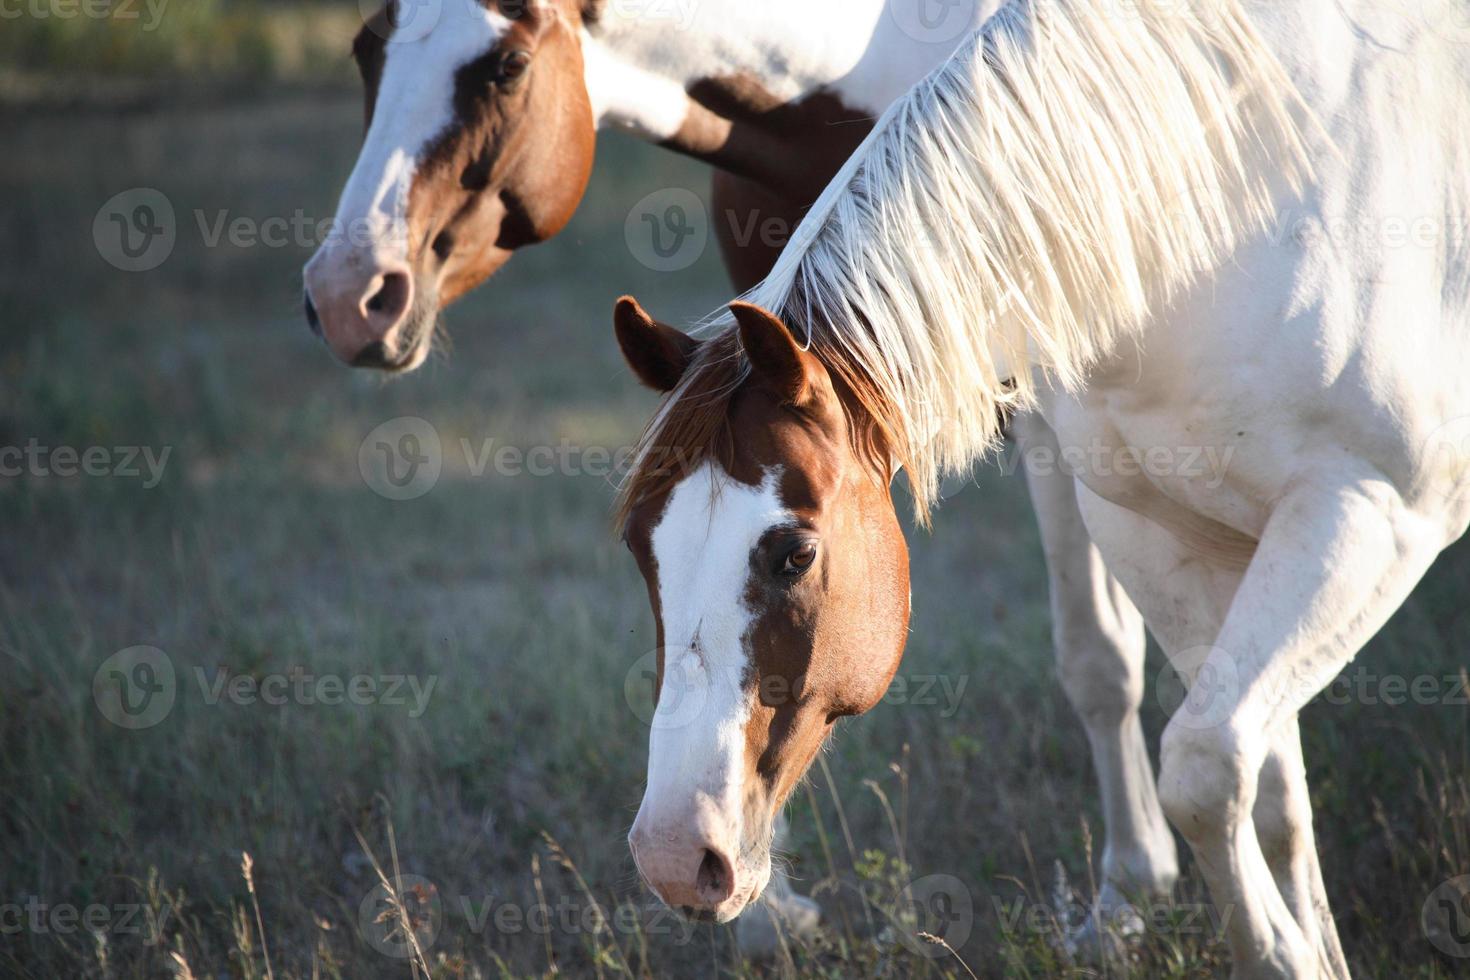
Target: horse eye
{"points": [[514, 65], [800, 558]]}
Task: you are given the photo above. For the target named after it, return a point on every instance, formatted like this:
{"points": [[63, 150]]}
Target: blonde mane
{"points": [[1071, 167]]}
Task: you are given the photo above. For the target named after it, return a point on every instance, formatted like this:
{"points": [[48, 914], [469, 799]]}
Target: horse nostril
{"points": [[713, 883], [312, 320], [391, 299]]}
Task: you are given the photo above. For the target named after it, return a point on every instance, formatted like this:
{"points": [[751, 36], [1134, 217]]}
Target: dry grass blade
{"points": [[551, 966], [929, 937], [570, 866], [898, 841], [846, 828], [180, 967], [417, 961], [247, 868]]}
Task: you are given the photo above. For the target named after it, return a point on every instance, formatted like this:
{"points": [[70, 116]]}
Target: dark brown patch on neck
{"points": [[792, 148]]}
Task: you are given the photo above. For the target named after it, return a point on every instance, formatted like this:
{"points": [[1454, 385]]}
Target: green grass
{"points": [[263, 551], [220, 40]]}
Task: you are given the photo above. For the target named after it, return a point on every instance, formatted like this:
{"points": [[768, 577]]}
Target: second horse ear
{"points": [[775, 356], [658, 353]]}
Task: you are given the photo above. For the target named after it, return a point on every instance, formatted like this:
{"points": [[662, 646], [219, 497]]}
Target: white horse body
{"points": [[865, 52], [1002, 214], [1335, 343], [1327, 361]]}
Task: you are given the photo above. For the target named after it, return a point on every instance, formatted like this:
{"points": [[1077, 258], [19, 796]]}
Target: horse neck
{"points": [[740, 84]]}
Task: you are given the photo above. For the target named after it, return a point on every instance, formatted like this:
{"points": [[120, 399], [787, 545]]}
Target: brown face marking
{"points": [[824, 641], [826, 644], [515, 170], [369, 51], [512, 168]]}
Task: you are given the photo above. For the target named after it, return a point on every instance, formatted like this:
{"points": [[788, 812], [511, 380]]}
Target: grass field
{"points": [[99, 43], [263, 560]]}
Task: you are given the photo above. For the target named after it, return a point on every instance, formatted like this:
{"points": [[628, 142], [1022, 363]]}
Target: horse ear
{"points": [[773, 353], [658, 353]]}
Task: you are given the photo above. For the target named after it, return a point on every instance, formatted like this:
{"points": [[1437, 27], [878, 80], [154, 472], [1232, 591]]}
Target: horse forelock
{"points": [[695, 422]]}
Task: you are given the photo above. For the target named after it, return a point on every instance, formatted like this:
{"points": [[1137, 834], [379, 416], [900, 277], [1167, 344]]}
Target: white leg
{"points": [[1283, 819], [1099, 641], [1331, 566]]}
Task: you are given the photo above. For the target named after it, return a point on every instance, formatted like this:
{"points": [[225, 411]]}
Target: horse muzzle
{"points": [[699, 863], [365, 309]]}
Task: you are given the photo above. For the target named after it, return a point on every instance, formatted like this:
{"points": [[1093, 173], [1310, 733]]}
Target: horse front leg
{"points": [[1283, 819], [1332, 564], [1099, 641]]}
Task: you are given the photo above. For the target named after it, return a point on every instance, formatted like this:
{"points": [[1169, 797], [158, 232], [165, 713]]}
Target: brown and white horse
{"points": [[1079, 203], [482, 120]]}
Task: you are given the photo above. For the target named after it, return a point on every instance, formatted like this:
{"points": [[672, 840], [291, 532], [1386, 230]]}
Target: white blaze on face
{"points": [[702, 546], [415, 106]]}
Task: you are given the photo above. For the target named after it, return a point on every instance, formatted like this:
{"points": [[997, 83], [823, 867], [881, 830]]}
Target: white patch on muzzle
{"points": [[702, 546]]}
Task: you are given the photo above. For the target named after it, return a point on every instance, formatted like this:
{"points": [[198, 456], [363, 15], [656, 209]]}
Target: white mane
{"points": [[1069, 168]]}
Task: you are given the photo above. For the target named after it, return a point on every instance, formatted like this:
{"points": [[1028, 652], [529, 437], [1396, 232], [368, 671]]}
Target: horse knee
{"points": [[1207, 779], [1101, 675], [1281, 816]]}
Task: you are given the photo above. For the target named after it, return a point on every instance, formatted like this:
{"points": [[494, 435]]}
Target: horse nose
{"points": [[690, 873], [357, 305]]}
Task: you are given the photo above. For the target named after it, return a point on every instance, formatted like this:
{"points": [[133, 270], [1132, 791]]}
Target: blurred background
{"points": [[222, 635]]}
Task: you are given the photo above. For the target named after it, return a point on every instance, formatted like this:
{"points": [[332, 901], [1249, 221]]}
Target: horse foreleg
{"points": [[1283, 819], [1099, 643], [1331, 566]]}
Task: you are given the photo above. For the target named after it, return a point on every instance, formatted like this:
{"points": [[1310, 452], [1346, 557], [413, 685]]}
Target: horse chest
{"points": [[1201, 480]]}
